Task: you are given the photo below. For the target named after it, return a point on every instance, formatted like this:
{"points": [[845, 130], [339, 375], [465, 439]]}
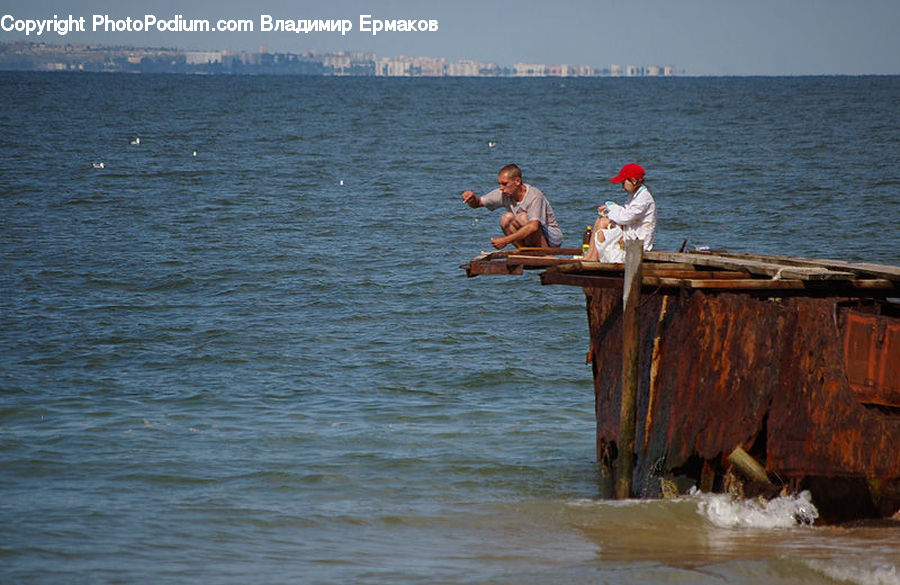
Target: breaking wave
{"points": [[725, 511]]}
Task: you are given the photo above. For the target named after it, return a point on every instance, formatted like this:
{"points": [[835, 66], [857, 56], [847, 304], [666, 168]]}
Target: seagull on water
{"points": [[99, 165], [136, 141], [492, 143]]}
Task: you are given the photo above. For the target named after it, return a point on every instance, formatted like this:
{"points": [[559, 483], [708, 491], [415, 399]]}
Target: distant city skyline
{"points": [[701, 37], [28, 56]]}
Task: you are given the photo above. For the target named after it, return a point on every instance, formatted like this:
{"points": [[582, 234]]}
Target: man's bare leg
{"points": [[510, 224]]}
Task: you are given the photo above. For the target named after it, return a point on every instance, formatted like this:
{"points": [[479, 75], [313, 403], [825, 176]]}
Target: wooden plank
{"points": [[758, 267], [539, 262], [694, 274], [476, 268], [667, 266], [631, 340], [832, 287], [582, 280], [725, 284], [874, 284], [581, 266], [659, 270], [543, 252], [864, 268], [500, 254], [648, 267]]}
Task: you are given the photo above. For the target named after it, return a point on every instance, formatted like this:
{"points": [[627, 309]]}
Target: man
{"points": [[528, 221]]}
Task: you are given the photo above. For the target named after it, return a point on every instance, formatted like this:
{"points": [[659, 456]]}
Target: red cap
{"points": [[629, 171]]}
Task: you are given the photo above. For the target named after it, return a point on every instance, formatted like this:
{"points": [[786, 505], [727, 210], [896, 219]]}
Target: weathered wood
{"points": [[704, 269], [725, 284], [543, 252], [764, 268], [631, 296], [595, 266], [663, 272], [476, 268], [851, 288], [582, 280], [539, 262], [649, 267], [861, 268], [874, 284], [748, 466]]}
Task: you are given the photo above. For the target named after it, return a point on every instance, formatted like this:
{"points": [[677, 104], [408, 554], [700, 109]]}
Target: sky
{"points": [[697, 37]]}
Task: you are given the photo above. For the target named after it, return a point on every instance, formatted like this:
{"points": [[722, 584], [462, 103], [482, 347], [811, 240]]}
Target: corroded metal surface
{"points": [[770, 375], [794, 360], [871, 350]]}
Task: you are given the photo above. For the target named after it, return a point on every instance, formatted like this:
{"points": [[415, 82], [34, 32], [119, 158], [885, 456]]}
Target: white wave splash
{"points": [[726, 511], [879, 575]]}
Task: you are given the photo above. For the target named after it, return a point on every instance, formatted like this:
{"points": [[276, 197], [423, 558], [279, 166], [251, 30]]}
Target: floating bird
{"points": [[492, 143], [342, 182], [99, 165], [194, 153], [136, 141]]}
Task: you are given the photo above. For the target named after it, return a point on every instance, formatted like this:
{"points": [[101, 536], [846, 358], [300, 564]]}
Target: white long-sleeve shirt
{"points": [[637, 217]]}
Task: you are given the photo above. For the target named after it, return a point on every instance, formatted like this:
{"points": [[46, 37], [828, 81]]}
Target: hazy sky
{"points": [[699, 37]]}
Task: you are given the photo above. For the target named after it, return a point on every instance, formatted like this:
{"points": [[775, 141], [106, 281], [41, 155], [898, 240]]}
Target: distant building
{"points": [[428, 67], [468, 68], [528, 70], [410, 67], [202, 57], [579, 71]]}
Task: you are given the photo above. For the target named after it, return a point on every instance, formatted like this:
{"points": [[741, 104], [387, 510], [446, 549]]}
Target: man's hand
{"points": [[471, 199], [499, 242]]}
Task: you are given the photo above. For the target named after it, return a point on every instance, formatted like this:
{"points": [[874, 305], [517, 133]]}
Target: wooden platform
{"points": [[713, 270]]}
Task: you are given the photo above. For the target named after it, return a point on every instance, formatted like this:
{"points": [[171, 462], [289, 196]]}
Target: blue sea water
{"points": [[243, 351]]}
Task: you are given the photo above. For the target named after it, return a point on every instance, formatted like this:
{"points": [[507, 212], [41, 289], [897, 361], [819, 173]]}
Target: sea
{"points": [[237, 346]]}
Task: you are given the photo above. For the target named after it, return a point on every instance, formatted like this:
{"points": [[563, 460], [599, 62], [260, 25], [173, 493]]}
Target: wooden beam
{"points": [[694, 274], [543, 252], [875, 284], [631, 341], [759, 267], [725, 284], [582, 280], [863, 268], [539, 262], [748, 466], [476, 267]]}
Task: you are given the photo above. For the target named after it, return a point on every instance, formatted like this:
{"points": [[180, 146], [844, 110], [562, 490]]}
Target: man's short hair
{"points": [[511, 171]]}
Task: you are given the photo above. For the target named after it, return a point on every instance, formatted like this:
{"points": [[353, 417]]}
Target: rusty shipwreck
{"points": [[791, 363]]}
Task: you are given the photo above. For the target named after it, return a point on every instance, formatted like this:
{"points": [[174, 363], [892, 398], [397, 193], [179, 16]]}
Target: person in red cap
{"points": [[637, 217]]}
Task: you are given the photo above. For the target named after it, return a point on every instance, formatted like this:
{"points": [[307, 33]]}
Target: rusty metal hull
{"points": [[808, 386]]}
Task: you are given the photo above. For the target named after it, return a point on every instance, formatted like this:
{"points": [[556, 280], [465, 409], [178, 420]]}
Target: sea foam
{"points": [[726, 511]]}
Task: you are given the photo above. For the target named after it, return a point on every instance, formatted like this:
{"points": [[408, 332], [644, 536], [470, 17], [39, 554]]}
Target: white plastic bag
{"points": [[611, 249]]}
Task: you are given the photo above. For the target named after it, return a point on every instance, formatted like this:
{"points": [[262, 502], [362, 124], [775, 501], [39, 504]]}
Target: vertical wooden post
{"points": [[631, 296]]}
